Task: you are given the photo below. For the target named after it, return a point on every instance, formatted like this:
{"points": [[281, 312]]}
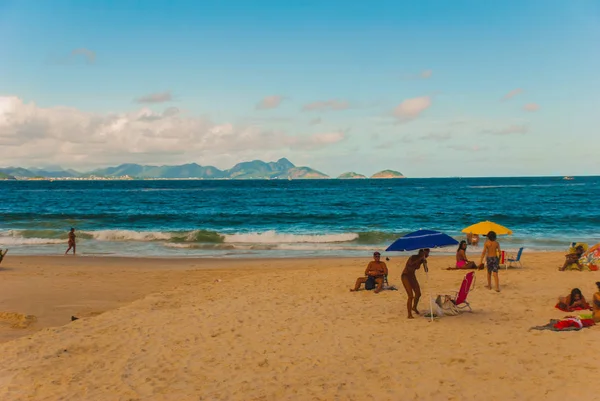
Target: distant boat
{"points": [[568, 178]]}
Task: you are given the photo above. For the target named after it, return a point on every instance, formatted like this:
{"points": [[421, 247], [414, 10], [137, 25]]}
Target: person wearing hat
{"points": [[376, 269]]}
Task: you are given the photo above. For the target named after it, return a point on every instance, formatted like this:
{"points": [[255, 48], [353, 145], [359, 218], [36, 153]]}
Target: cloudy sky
{"points": [[429, 88]]}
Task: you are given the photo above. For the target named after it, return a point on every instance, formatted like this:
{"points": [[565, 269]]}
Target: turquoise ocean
{"points": [[281, 218]]}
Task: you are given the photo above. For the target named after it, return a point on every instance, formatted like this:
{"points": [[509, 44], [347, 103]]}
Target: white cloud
{"points": [[327, 138], [89, 55], [269, 102], [438, 137], [318, 140], [512, 94], [160, 97], [32, 135], [531, 107], [316, 121], [468, 148], [511, 129], [327, 105], [425, 74], [410, 109]]}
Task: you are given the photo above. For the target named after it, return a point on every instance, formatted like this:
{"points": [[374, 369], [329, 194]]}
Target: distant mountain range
{"points": [[256, 169]]}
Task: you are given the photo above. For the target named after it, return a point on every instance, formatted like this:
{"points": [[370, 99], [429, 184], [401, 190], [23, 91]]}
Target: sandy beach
{"points": [[286, 329]]}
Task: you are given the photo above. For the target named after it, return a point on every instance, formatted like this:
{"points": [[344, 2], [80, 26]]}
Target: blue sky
{"points": [[429, 88]]}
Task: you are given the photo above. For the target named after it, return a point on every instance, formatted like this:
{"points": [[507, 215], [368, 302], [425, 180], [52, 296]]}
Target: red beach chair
{"points": [[460, 299]]}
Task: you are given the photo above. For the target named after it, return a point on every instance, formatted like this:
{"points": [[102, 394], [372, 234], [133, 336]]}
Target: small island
{"points": [[281, 169], [350, 175], [4, 176], [388, 174]]}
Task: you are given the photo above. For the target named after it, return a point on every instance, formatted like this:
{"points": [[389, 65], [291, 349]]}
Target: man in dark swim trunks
{"points": [[409, 280], [376, 269]]}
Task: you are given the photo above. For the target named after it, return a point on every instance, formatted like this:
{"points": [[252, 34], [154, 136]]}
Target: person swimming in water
{"points": [[409, 280]]}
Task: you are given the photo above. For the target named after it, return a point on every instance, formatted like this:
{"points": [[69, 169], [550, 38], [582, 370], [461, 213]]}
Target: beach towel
{"points": [[564, 308], [566, 324]]}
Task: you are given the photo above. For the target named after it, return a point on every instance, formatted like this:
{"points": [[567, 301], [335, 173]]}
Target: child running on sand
{"points": [[491, 248]]}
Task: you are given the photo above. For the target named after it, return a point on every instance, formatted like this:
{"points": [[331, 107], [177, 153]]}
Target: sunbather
{"points": [[375, 269], [461, 257], [573, 258], [572, 302], [596, 304]]}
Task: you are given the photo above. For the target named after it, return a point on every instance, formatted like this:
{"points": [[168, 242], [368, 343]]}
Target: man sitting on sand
{"points": [[375, 269], [573, 258]]}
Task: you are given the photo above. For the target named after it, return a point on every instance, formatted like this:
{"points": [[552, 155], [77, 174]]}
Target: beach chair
{"points": [[513, 261], [460, 297]]}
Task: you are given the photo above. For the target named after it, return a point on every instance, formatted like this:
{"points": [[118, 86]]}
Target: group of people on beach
{"points": [[575, 301], [377, 270]]}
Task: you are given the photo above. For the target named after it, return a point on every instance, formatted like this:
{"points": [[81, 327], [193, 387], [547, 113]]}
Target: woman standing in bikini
{"points": [[409, 280]]}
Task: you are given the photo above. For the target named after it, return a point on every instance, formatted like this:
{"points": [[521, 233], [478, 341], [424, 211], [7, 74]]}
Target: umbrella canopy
{"points": [[422, 239], [574, 246], [484, 227]]}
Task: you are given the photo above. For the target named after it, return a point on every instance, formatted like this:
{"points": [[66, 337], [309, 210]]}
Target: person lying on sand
{"points": [[409, 280], [461, 258], [376, 269], [573, 258], [2, 254], [572, 302]]}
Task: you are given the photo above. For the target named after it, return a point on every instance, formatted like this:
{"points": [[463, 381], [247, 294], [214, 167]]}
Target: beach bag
{"points": [[370, 283], [448, 308]]}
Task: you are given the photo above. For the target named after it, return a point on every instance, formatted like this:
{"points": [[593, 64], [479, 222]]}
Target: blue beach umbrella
{"points": [[419, 240], [422, 239]]}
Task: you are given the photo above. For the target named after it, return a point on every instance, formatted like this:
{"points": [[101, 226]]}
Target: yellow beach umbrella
{"points": [[484, 227]]}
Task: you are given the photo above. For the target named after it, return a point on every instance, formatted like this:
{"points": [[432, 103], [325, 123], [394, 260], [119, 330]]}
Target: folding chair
{"points": [[513, 261], [460, 299]]}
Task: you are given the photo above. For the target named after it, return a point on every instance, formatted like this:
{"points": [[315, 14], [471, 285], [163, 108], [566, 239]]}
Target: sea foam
{"points": [[273, 237]]}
